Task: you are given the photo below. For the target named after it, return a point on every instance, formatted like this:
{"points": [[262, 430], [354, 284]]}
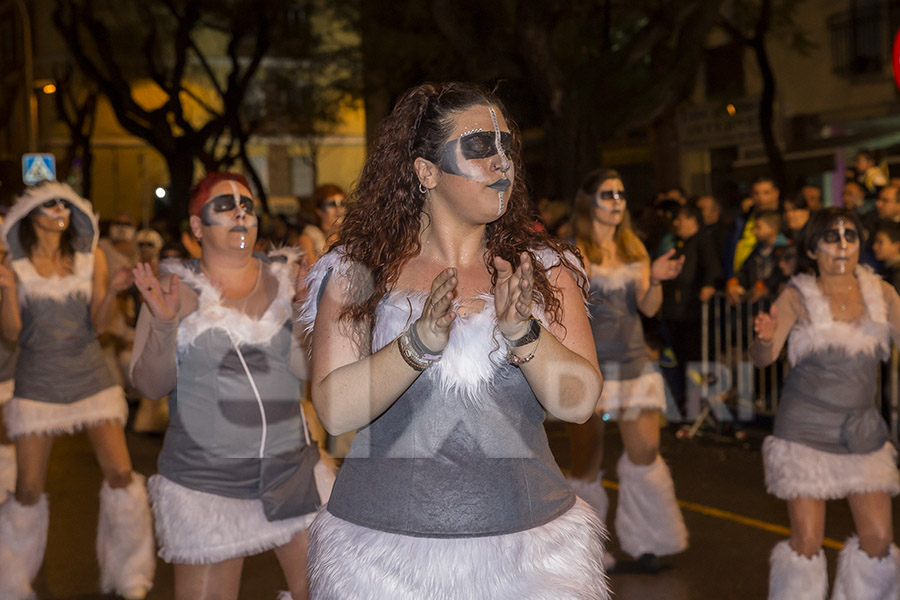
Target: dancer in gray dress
{"points": [[237, 472], [443, 332], [55, 299], [623, 282], [829, 440]]}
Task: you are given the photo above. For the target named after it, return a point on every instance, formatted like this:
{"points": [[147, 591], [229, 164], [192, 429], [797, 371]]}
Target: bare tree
{"points": [[582, 72], [175, 47], [752, 22], [76, 106]]}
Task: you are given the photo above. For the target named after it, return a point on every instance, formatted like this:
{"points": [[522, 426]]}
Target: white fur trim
{"points": [[32, 416], [125, 539], [56, 287], [556, 561], [284, 596], [794, 470], [648, 519], [475, 353], [610, 279], [197, 528], [550, 258], [862, 577], [593, 493], [212, 313], [796, 577], [624, 399], [870, 335], [340, 268], [23, 539]]}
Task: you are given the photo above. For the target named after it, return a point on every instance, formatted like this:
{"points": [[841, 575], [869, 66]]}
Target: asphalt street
{"points": [[733, 523]]}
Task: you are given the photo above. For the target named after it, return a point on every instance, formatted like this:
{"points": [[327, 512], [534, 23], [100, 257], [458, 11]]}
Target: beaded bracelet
{"points": [[518, 361]]}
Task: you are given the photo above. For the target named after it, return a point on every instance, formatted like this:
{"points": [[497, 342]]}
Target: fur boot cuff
{"points": [[591, 492], [125, 548], [796, 577], [861, 577], [23, 539], [648, 520]]}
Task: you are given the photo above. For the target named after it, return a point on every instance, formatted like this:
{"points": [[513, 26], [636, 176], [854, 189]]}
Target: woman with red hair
{"points": [[440, 327], [236, 472]]}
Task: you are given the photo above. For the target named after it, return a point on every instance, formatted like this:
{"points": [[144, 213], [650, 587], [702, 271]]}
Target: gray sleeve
{"points": [[153, 360]]}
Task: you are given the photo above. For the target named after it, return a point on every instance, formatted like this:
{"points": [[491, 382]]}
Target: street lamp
{"points": [[30, 99]]}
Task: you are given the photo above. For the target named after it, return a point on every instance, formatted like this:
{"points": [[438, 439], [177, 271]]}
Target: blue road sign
{"points": [[38, 167]]}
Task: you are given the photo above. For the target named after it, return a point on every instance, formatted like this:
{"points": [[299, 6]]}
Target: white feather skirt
{"points": [[24, 416], [561, 560], [624, 399], [794, 470], [197, 528]]}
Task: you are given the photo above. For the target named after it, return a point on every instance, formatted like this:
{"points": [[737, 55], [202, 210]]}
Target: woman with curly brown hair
{"points": [[440, 327]]}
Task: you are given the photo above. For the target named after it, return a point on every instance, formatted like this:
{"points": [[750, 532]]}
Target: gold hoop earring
{"points": [[422, 189]]}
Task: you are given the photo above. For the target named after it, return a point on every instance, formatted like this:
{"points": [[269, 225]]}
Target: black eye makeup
{"points": [[833, 236], [612, 195], [482, 144], [54, 202], [226, 203]]}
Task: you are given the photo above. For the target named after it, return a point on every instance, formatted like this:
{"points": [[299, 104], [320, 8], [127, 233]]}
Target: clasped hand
{"points": [[512, 301]]}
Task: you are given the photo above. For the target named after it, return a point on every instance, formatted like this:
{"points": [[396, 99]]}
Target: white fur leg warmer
{"points": [[591, 492], [125, 548], [7, 470], [796, 577], [23, 539], [861, 577], [648, 519]]}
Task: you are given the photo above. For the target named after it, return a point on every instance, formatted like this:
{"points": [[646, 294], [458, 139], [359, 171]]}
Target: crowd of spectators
{"points": [[748, 253]]}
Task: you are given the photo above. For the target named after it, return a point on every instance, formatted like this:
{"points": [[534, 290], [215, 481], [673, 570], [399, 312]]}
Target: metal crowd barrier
{"points": [[726, 388]]}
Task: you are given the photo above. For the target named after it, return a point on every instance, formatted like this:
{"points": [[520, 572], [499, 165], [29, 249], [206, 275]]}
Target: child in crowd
{"points": [[760, 273], [886, 247]]}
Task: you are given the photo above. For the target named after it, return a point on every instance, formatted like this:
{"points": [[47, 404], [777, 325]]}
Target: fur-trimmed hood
{"points": [[83, 222], [85, 233]]}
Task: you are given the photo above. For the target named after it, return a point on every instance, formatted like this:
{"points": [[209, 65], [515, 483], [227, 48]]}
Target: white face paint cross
{"points": [[230, 210], [469, 156], [840, 243]]}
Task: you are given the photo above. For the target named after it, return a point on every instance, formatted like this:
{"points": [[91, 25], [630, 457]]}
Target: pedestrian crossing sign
{"points": [[38, 167]]}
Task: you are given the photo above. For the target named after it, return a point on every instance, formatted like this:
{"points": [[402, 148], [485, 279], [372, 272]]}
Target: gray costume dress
{"points": [[829, 439], [631, 381], [62, 382], [236, 471], [457, 463]]}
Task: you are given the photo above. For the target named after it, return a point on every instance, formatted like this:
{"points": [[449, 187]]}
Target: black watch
{"points": [[533, 333]]}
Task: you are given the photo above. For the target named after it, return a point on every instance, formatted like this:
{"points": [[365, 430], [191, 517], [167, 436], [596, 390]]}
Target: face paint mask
{"points": [[58, 209], [219, 211], [460, 155], [840, 243], [610, 200]]}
